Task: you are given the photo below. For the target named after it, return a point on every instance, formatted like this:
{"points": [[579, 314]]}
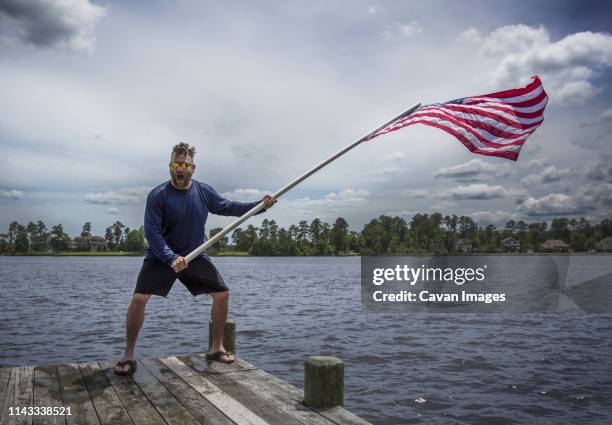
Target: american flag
{"points": [[496, 124]]}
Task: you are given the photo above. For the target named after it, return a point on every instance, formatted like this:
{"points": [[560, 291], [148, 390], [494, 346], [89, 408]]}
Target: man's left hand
{"points": [[269, 201], [179, 264]]}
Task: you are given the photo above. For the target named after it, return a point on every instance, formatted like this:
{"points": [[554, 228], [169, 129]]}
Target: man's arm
{"points": [[221, 206], [153, 231]]}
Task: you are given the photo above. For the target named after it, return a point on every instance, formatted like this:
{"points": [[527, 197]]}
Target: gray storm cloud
{"points": [[51, 23]]}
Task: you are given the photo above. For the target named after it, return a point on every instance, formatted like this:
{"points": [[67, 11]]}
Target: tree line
{"points": [[36, 237], [423, 234]]}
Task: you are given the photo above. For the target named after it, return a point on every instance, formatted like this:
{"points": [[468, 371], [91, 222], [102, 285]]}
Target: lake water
{"points": [[400, 367]]}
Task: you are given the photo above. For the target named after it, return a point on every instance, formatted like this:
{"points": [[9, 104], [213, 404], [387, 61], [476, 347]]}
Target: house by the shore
{"points": [[87, 243], [554, 245], [511, 245], [604, 245], [463, 245]]}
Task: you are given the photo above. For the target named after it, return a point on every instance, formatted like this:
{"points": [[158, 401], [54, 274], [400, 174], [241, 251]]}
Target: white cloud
{"points": [[478, 191], [577, 92], [332, 203], [373, 10], [403, 213], [489, 217], [61, 23], [599, 195], [113, 210], [591, 141], [604, 116], [566, 66], [11, 194], [600, 170], [471, 35], [394, 156], [539, 162], [553, 204], [474, 170], [415, 193], [514, 38], [398, 30], [348, 195], [126, 195], [245, 195], [548, 175]]}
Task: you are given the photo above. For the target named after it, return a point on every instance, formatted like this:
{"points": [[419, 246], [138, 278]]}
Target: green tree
{"points": [[135, 241], [302, 231], [59, 239], [4, 245], [108, 235], [118, 232], [451, 228], [32, 234], [339, 235], [314, 231], [373, 238], [86, 230], [22, 244], [42, 237], [239, 240], [12, 234], [559, 229], [221, 245], [273, 232]]}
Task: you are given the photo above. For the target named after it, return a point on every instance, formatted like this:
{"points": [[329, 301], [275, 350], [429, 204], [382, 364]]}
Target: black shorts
{"points": [[200, 277]]}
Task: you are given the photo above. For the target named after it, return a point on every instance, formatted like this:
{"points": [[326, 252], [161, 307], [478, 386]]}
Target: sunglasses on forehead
{"points": [[184, 165]]}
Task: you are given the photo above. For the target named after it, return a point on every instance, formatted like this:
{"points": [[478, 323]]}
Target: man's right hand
{"points": [[179, 264]]}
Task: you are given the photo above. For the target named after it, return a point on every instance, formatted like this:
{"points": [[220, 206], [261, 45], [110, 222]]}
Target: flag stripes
{"points": [[496, 124]]}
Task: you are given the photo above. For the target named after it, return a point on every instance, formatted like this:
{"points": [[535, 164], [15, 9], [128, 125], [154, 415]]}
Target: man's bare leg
{"points": [[218, 315], [133, 324]]}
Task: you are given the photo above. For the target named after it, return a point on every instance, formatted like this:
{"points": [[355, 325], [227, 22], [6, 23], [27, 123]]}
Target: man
{"points": [[175, 217]]}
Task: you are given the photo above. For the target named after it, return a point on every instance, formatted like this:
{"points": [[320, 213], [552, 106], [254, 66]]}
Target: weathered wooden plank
{"points": [[285, 390], [5, 376], [47, 393], [107, 404], [75, 395], [200, 364], [24, 392], [251, 400], [197, 405], [137, 405], [9, 400], [173, 412], [278, 398], [230, 407], [341, 416]]}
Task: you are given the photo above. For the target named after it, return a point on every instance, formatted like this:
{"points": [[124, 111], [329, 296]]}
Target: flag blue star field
{"points": [[496, 124]]}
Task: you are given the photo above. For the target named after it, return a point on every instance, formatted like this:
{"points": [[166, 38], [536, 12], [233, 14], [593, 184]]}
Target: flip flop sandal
{"points": [[130, 370], [219, 357]]}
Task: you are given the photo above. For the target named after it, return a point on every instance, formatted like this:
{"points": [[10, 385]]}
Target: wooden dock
{"points": [[182, 390]]}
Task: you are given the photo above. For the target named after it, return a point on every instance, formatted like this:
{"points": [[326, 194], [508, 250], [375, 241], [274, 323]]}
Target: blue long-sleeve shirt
{"points": [[175, 219]]}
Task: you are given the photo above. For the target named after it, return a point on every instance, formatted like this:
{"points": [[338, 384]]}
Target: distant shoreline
{"points": [[246, 254]]}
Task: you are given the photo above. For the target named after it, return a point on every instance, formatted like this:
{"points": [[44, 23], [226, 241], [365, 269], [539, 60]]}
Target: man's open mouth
{"points": [[180, 178]]}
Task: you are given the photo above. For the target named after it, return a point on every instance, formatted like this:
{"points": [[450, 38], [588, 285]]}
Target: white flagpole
{"points": [[210, 242]]}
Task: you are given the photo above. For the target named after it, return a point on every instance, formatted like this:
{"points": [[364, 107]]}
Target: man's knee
{"points": [[140, 299], [220, 296]]}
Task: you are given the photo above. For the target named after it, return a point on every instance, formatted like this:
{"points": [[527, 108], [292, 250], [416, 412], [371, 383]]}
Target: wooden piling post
{"points": [[229, 335], [323, 381]]}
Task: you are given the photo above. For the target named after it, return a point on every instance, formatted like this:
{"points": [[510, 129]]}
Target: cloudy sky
{"points": [[95, 93]]}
